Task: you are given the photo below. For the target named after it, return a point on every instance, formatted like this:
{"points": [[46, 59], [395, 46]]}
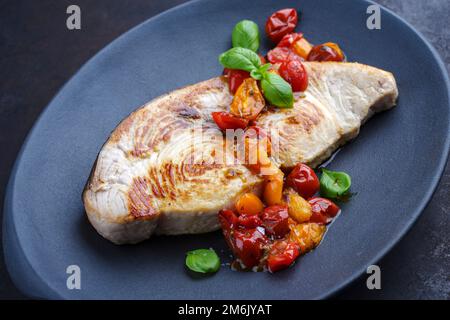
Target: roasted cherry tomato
{"points": [[249, 204], [323, 210], [228, 219], [326, 52], [307, 235], [282, 54], [281, 23], [248, 100], [299, 209], [281, 255], [248, 246], [289, 40], [256, 158], [273, 185], [275, 220], [302, 48], [235, 78], [248, 222], [225, 120], [256, 132], [293, 72], [303, 180]]}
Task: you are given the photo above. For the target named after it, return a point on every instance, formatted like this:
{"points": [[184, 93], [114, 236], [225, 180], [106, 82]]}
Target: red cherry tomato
{"points": [[275, 220], [281, 23], [294, 72], [326, 52], [323, 210], [304, 180], [235, 78], [228, 219], [282, 254], [249, 221], [282, 54], [225, 120], [248, 246], [289, 39]]}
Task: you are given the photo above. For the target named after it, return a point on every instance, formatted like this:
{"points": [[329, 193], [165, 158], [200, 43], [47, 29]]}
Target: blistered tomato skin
{"points": [[248, 246], [228, 219], [304, 180], [282, 54], [235, 78], [294, 73], [326, 52], [289, 40], [275, 220], [249, 222], [323, 210], [281, 23], [225, 120], [282, 255]]}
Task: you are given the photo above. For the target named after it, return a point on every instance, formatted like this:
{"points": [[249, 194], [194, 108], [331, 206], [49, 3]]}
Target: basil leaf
{"points": [[246, 35], [203, 261], [256, 74], [240, 58], [263, 69], [334, 184], [277, 91]]}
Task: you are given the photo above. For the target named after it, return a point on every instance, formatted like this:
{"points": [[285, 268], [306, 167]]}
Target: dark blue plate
{"points": [[395, 163]]}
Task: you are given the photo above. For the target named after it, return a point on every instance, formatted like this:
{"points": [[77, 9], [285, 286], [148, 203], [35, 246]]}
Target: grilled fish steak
{"points": [[158, 172]]}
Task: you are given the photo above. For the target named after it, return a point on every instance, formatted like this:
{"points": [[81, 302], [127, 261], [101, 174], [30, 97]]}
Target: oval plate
{"points": [[396, 162]]}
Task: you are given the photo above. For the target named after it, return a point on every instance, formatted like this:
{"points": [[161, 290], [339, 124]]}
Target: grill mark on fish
{"points": [[140, 206]]}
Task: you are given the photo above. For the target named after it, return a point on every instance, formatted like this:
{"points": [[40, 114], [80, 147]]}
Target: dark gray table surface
{"points": [[38, 54]]}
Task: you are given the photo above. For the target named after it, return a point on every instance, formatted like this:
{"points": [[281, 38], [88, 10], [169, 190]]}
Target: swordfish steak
{"points": [[158, 171]]}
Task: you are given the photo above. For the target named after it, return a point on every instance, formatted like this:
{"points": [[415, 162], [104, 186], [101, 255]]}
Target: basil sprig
{"points": [[334, 184], [246, 35], [203, 261], [276, 90]]}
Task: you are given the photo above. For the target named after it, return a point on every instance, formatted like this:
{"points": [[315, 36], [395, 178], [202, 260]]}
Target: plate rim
{"points": [[46, 290]]}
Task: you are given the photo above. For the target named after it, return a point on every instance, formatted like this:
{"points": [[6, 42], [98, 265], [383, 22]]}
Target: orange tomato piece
{"points": [[248, 100], [249, 204], [307, 235], [328, 51], [273, 187], [256, 157], [299, 209], [302, 48]]}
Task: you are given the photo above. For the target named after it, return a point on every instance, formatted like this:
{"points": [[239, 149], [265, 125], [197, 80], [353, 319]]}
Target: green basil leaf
{"points": [[256, 74], [334, 184], [263, 69], [246, 35], [240, 58], [203, 261], [277, 91]]}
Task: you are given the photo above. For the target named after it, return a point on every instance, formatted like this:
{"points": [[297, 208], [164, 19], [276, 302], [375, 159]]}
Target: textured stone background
{"points": [[37, 56]]}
